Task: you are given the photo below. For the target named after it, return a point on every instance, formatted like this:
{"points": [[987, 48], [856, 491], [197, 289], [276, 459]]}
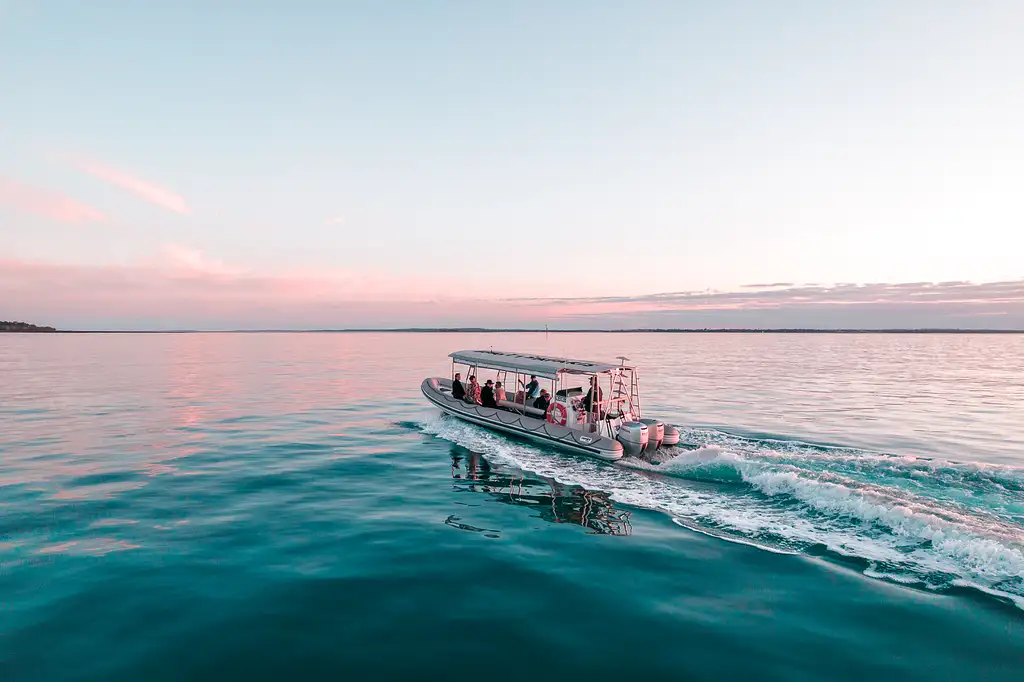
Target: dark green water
{"points": [[287, 507]]}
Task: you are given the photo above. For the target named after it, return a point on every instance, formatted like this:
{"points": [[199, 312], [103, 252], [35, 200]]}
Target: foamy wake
{"points": [[925, 522]]}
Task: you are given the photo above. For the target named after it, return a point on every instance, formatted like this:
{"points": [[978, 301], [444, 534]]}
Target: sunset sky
{"points": [[581, 164]]}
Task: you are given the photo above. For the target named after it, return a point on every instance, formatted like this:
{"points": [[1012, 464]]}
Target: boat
{"points": [[574, 421]]}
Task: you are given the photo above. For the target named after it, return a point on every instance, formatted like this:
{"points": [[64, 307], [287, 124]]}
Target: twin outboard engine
{"points": [[634, 438], [646, 435], [655, 433]]}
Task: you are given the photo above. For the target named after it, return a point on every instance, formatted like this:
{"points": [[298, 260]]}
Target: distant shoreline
{"points": [[23, 328], [479, 330]]}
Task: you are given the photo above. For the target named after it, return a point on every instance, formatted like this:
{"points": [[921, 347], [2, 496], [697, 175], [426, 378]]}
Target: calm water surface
{"points": [[286, 506]]}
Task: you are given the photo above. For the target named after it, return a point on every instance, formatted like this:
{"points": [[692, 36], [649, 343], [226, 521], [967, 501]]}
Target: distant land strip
{"points": [[7, 326], [25, 327]]}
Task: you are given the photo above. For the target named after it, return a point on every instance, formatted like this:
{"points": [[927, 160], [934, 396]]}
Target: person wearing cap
{"points": [[542, 401], [532, 388], [593, 397], [487, 394]]}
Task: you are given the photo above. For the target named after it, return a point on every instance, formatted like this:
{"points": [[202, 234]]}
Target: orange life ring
{"points": [[557, 414]]}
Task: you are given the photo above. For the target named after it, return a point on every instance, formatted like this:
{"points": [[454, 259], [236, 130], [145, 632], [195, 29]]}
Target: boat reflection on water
{"points": [[553, 501]]}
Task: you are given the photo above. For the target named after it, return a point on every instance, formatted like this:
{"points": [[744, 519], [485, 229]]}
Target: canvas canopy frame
{"points": [[623, 390], [524, 363]]}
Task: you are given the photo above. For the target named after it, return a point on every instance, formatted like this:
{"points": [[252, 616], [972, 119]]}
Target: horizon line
{"points": [[493, 330]]}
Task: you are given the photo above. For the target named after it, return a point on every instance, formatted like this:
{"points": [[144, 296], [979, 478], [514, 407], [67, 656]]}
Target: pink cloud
{"points": [[182, 287], [144, 189], [49, 204], [867, 306], [789, 296], [178, 257]]}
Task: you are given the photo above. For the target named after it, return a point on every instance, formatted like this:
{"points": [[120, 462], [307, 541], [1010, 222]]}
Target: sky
{"points": [[580, 164]]}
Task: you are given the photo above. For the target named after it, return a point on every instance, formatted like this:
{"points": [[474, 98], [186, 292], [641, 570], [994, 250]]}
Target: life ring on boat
{"points": [[557, 414]]}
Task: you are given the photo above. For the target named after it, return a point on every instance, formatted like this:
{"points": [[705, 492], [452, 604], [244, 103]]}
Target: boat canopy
{"points": [[525, 363]]}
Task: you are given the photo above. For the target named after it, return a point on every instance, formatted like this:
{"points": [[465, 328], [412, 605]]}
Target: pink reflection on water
{"points": [[105, 523], [99, 491], [88, 547], [58, 548]]}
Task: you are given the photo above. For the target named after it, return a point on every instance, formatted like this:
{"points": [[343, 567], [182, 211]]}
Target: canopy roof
{"points": [[525, 363]]}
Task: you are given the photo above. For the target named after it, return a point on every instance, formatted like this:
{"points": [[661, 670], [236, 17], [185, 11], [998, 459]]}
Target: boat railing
{"points": [[621, 399]]}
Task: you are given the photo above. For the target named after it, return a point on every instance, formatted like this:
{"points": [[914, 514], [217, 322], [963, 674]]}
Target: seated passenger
{"points": [[473, 391], [458, 390], [487, 394], [499, 392], [543, 401]]}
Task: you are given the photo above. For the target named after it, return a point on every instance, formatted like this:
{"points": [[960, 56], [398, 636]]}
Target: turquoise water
{"points": [[286, 506]]}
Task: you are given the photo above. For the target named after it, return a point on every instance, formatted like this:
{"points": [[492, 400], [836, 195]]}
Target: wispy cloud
{"points": [[144, 189], [878, 305], [177, 257], [185, 287], [45, 203], [807, 295], [336, 220]]}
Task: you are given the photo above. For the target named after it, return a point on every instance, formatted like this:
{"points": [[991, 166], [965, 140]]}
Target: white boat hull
{"points": [[438, 392]]}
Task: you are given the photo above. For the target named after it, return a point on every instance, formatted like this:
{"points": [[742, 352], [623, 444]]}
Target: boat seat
{"points": [[519, 407]]}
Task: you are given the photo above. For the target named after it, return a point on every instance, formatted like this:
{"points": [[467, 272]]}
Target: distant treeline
{"points": [[6, 326]]}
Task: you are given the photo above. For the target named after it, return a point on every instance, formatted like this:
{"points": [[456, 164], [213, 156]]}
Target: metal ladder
{"points": [[633, 391]]}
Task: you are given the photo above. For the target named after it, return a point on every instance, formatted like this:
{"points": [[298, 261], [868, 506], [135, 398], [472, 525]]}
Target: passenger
{"points": [[487, 395], [473, 391], [499, 392], [588, 401], [542, 402], [532, 388], [458, 390]]}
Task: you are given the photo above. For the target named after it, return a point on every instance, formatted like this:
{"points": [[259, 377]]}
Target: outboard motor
{"points": [[633, 436], [655, 433], [671, 436]]}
